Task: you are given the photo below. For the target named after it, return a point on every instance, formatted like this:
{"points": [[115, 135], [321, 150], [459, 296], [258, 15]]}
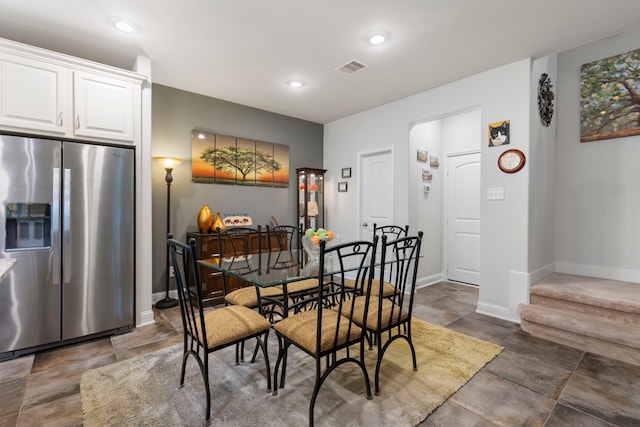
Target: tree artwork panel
{"points": [[225, 159], [610, 97]]}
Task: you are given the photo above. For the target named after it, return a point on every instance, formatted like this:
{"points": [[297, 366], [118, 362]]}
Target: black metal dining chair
{"points": [[392, 232], [285, 245], [319, 329], [205, 333], [234, 243], [388, 319]]}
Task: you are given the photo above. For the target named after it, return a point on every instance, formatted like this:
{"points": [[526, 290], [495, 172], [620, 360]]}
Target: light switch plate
{"points": [[495, 193]]}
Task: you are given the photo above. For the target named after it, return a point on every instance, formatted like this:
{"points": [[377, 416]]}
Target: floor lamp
{"points": [[168, 163]]}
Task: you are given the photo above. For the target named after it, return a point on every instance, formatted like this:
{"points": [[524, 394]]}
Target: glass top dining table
{"points": [[268, 269]]}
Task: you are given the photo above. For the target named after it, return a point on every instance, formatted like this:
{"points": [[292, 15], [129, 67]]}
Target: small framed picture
{"points": [[427, 175], [422, 155], [342, 187], [499, 133], [346, 173], [434, 162]]}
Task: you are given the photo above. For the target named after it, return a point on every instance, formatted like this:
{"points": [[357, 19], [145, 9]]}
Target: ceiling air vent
{"points": [[351, 67]]}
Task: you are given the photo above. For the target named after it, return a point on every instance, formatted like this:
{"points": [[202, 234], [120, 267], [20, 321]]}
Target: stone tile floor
{"points": [[533, 382]]}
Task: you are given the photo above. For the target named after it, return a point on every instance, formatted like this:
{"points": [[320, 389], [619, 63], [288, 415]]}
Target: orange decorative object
{"points": [[314, 187], [301, 187], [218, 223], [205, 219]]}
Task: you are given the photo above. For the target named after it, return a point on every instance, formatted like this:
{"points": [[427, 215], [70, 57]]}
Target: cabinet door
{"points": [[32, 94], [103, 107]]}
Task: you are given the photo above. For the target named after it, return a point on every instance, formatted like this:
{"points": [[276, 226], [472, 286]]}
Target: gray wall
{"points": [[174, 114]]}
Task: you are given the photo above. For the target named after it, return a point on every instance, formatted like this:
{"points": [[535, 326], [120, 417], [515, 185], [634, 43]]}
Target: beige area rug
{"points": [[144, 390]]}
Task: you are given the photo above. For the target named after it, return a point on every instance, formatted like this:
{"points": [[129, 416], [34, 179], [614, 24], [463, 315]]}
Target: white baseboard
{"points": [[423, 282], [542, 272], [497, 311], [146, 318], [622, 274]]}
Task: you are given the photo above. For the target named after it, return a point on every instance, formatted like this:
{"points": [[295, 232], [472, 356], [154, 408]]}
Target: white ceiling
{"points": [[245, 50]]}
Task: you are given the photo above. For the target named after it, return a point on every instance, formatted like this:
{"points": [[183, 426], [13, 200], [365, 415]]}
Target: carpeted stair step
{"points": [[583, 331], [610, 300]]}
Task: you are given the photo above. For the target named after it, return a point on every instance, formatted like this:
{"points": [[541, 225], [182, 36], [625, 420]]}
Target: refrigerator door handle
{"points": [[55, 225], [66, 227]]}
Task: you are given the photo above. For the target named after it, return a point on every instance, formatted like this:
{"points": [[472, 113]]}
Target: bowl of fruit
{"points": [[315, 236], [312, 238]]}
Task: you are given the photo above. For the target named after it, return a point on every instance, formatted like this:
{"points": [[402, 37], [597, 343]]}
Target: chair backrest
{"points": [[283, 237], [236, 246], [189, 290], [340, 265], [399, 267], [237, 241], [392, 232]]}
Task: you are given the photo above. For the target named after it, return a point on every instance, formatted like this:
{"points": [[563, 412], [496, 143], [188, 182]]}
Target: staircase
{"points": [[595, 315]]}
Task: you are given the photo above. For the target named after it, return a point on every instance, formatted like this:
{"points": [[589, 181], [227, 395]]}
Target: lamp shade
{"points": [[168, 162]]}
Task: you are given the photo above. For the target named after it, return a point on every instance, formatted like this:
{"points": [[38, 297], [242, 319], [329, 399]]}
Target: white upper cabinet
{"points": [[33, 94], [46, 93], [103, 107]]}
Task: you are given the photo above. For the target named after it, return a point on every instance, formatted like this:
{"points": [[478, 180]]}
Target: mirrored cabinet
{"points": [[310, 198]]}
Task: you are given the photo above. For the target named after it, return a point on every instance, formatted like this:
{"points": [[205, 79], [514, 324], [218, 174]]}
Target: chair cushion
{"points": [[386, 319], [302, 286], [301, 328], [387, 288], [230, 324], [248, 297]]}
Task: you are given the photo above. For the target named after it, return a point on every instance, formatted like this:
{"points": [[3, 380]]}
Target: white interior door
{"points": [[377, 200], [463, 218]]}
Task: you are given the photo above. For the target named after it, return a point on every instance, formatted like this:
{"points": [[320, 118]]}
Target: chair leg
{"points": [[407, 327], [283, 346], [378, 363], [185, 355], [206, 387], [262, 343], [363, 367], [255, 354]]}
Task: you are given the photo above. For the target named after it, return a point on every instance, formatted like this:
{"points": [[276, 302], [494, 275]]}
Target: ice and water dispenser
{"points": [[28, 225]]}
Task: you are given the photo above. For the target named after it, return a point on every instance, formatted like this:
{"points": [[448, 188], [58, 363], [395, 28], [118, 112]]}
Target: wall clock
{"points": [[545, 99], [511, 161]]}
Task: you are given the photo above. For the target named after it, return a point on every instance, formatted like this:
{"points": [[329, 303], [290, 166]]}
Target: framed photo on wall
{"points": [[499, 133], [346, 172], [342, 187]]}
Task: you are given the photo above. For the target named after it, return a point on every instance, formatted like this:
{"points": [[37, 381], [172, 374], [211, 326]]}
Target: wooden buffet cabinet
{"points": [[206, 248]]}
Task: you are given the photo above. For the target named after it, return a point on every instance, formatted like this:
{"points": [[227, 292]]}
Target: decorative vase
{"points": [[205, 219], [218, 223]]}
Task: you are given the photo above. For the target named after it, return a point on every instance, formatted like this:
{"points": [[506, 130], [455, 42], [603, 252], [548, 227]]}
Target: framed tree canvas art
{"points": [[225, 159], [610, 97]]}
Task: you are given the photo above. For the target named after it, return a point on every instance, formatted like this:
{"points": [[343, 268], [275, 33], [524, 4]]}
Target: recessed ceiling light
{"points": [[295, 83], [377, 38], [124, 26]]}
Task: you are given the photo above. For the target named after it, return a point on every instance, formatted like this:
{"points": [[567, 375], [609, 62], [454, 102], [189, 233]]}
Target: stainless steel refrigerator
{"points": [[67, 218]]}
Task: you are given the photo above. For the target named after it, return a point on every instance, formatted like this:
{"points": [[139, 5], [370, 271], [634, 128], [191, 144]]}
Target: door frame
{"points": [[360, 183], [445, 208]]}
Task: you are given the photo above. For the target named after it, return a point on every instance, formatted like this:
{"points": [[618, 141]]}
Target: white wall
{"points": [[541, 179], [597, 192], [500, 94]]}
